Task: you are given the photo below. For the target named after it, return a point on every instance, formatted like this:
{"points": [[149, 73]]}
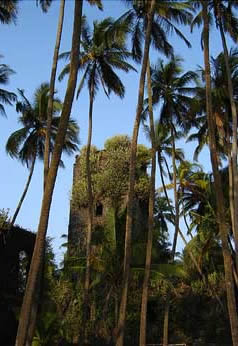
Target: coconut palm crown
{"points": [[6, 97], [102, 51], [28, 141], [167, 15], [8, 11]]}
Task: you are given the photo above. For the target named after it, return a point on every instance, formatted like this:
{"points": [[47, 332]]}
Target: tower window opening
{"points": [[99, 209]]}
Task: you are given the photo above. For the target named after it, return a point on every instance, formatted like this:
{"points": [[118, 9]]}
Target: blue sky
{"points": [[27, 48]]}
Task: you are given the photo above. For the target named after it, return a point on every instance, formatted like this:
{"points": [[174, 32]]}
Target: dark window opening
{"points": [[99, 209]]}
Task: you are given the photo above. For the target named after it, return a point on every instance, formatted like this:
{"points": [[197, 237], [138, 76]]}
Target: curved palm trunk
{"points": [[234, 151], [176, 204], [129, 217], [24, 192], [38, 253], [143, 313], [223, 227], [52, 90], [90, 209]]}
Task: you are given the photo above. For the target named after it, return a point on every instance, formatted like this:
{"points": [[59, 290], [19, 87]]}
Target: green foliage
{"points": [[79, 194], [116, 168], [4, 219], [110, 173]]}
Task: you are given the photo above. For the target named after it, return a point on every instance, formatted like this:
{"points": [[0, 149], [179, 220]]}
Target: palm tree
{"points": [[8, 11], [222, 113], [166, 14], [223, 228], [129, 217], [38, 255], [6, 97], [98, 59], [27, 143], [144, 11], [160, 142], [227, 22], [171, 88], [221, 105]]}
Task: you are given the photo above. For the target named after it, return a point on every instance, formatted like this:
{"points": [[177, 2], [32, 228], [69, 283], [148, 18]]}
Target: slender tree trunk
{"points": [[38, 253], [231, 201], [162, 178], [166, 322], [223, 227], [130, 201], [34, 307], [234, 151], [168, 171], [177, 230], [40, 280], [176, 204], [195, 262], [24, 192], [90, 218], [52, 90], [231, 188], [185, 221], [143, 314]]}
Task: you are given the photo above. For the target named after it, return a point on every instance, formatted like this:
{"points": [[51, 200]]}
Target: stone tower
{"points": [[78, 215]]}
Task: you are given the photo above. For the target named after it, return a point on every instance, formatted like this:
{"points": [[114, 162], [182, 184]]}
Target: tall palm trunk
{"points": [[177, 230], [40, 280], [24, 192], [90, 206], [34, 308], [231, 188], [176, 203], [130, 201], [38, 253], [143, 313], [52, 90], [234, 177], [231, 198], [162, 178], [223, 227], [166, 321]]}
